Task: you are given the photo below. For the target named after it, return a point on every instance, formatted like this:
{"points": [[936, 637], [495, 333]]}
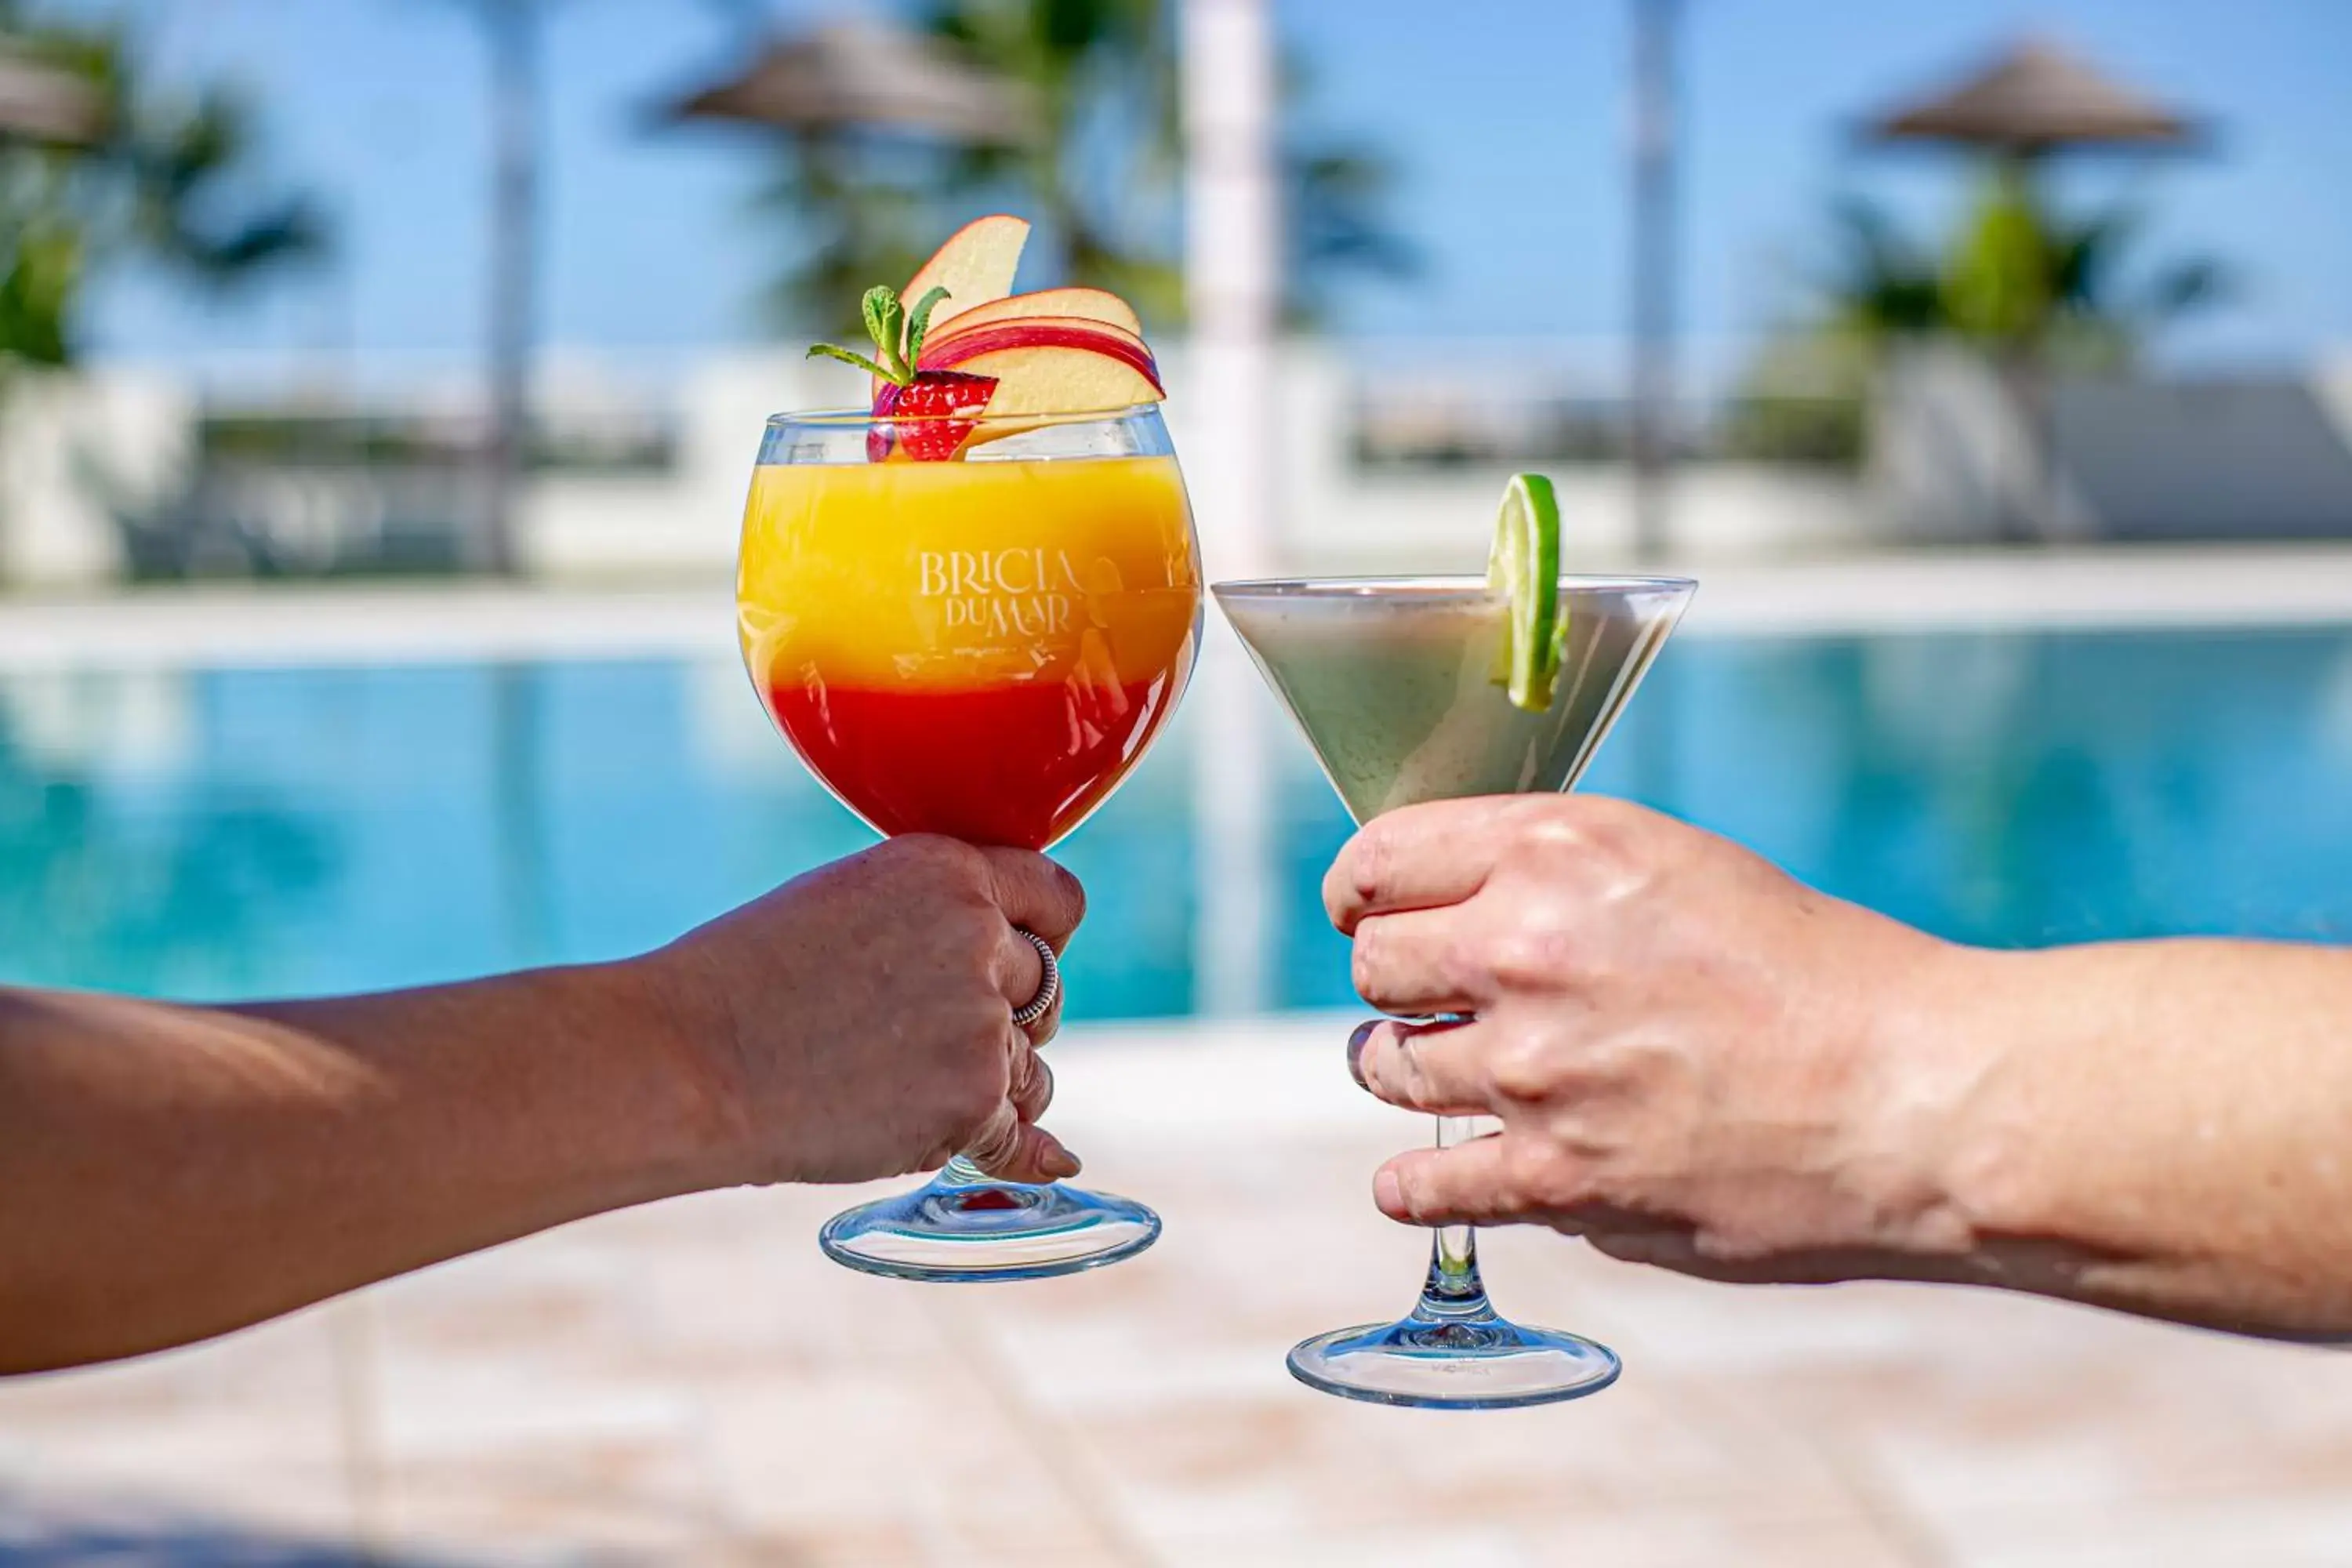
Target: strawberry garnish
{"points": [[919, 414], [926, 415]]}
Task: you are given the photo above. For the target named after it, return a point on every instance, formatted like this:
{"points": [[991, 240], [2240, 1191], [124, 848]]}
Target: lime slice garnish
{"points": [[1524, 572]]}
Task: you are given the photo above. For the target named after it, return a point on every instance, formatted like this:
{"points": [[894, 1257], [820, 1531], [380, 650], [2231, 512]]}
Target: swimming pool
{"points": [[221, 832]]}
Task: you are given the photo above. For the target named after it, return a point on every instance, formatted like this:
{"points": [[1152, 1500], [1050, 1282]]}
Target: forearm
{"points": [[2162, 1127], [173, 1172]]}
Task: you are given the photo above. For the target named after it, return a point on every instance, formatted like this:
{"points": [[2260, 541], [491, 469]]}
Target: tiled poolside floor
{"points": [[693, 1383]]}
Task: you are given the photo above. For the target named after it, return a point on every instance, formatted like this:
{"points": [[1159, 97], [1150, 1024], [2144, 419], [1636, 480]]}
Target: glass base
{"points": [[1449, 1363], [975, 1231]]}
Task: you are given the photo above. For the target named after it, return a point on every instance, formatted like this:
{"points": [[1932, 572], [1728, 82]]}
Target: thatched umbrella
{"points": [[2034, 98], [856, 74]]}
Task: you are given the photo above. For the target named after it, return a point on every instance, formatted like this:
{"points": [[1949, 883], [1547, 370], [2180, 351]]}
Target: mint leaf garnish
{"points": [[897, 337]]}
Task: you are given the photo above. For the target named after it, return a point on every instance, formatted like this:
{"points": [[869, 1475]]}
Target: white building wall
{"points": [[1338, 516], [2333, 381], [74, 448], [687, 520]]}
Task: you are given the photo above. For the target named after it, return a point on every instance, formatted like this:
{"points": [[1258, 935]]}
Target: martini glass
{"points": [[1391, 681], [983, 649]]}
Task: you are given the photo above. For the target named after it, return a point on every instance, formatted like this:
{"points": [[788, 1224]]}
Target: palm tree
{"points": [[1099, 177], [1880, 286], [143, 175], [2015, 276], [1101, 78], [2024, 279], [2028, 287]]}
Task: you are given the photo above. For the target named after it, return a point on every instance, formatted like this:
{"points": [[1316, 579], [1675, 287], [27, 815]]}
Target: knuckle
{"points": [[979, 1125], [950, 860], [1368, 958], [1586, 827], [1415, 1195], [1367, 866], [1411, 1072], [911, 849], [1072, 891], [992, 1140], [1530, 953], [1542, 822], [1037, 1090], [1392, 1067], [1522, 1069]]}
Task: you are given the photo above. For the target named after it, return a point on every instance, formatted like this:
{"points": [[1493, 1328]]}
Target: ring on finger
{"points": [[1049, 987]]}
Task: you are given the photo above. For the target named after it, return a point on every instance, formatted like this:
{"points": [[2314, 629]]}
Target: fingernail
{"points": [[1356, 1043], [1389, 1192], [1058, 1163]]}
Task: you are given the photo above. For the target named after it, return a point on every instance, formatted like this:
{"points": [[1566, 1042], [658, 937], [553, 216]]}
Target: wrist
{"points": [[1937, 1154], [686, 1083], [2017, 1087]]}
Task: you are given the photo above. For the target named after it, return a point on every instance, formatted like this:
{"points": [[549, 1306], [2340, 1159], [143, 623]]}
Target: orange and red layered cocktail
{"points": [[979, 648]]}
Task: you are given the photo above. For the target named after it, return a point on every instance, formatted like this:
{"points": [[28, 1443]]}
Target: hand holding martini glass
{"points": [[970, 606], [1419, 688]]}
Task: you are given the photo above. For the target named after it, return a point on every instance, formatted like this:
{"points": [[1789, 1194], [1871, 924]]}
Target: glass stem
{"points": [[1454, 1290], [961, 1173]]}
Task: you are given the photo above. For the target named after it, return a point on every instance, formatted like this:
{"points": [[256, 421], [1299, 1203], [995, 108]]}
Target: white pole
{"points": [[515, 111], [1654, 265], [1232, 271]]}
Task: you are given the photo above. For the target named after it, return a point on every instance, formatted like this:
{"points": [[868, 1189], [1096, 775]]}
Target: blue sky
{"points": [[1506, 119]]}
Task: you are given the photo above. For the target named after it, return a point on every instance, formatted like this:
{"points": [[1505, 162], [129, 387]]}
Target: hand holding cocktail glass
{"points": [[920, 936], [1418, 690], [1694, 1058], [971, 608]]}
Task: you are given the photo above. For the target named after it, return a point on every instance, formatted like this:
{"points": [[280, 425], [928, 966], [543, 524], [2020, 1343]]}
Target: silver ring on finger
{"points": [[1049, 989]]}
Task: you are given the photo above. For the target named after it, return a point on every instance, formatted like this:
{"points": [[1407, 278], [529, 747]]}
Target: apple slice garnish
{"points": [[975, 266], [1061, 378], [958, 350], [1060, 304]]}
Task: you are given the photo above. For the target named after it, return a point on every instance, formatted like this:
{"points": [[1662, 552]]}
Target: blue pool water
{"points": [[204, 834]]}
